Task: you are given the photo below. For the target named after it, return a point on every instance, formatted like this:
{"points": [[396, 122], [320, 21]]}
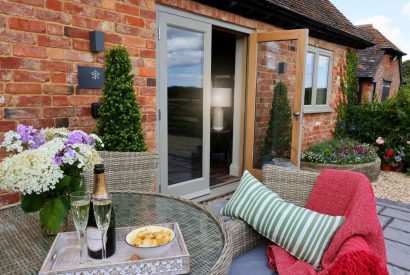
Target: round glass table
{"points": [[23, 247]]}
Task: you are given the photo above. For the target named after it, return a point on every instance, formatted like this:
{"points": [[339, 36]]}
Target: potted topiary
{"points": [[119, 126], [277, 142]]}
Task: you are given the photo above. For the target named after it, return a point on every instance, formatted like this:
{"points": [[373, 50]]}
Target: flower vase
{"points": [[62, 228], [386, 167]]}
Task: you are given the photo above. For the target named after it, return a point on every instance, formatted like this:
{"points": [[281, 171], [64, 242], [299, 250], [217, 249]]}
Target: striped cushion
{"points": [[303, 233]]}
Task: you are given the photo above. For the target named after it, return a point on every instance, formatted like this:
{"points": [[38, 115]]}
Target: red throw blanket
{"points": [[358, 246]]}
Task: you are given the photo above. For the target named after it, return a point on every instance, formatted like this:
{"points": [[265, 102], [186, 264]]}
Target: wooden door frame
{"points": [[301, 37]]}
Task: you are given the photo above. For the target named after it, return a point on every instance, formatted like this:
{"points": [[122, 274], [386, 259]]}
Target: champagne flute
{"points": [[102, 213], [80, 205]]}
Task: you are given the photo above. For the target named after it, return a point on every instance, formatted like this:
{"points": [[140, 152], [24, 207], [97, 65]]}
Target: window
{"points": [[318, 76], [386, 90]]}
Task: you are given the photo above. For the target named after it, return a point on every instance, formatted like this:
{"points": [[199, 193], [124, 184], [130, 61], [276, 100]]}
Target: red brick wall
{"points": [[42, 42], [318, 127], [388, 70]]}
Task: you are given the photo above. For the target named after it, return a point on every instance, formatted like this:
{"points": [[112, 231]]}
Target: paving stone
{"points": [[395, 213], [397, 235], [398, 254], [384, 220], [401, 225], [397, 271], [379, 208], [393, 204]]}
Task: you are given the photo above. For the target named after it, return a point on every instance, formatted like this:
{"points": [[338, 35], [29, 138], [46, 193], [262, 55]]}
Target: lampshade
{"points": [[221, 97]]}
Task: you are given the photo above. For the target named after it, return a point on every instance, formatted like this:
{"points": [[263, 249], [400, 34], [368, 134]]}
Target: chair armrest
{"points": [[291, 185], [243, 237]]}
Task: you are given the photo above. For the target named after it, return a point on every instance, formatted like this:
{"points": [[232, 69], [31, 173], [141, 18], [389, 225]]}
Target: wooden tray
{"points": [[64, 257]]}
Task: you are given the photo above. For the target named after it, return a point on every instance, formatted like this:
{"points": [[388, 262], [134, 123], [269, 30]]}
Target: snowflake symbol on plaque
{"points": [[95, 75]]}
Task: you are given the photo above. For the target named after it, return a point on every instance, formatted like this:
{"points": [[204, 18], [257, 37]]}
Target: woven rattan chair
{"points": [[293, 186], [128, 171]]}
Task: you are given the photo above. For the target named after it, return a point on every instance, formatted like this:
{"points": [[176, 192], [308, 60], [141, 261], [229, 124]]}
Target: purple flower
{"points": [[78, 137], [58, 160], [31, 137]]}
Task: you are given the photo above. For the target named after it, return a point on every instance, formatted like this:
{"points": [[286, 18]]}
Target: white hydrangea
{"points": [[97, 140], [32, 171], [12, 142], [52, 133], [87, 156]]}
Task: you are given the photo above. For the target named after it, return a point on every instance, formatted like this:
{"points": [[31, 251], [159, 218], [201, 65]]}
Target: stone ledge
{"points": [[371, 169]]}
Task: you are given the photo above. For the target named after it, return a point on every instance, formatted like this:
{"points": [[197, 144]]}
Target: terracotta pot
{"points": [[399, 168], [386, 167]]}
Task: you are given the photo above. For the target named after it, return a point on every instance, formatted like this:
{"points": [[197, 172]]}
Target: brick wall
{"points": [[42, 42], [388, 70], [320, 126]]}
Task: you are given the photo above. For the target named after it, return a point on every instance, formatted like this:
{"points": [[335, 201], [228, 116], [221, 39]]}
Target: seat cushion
{"points": [[303, 233], [252, 262]]}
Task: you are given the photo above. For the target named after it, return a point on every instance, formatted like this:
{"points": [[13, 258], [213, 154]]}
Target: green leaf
{"points": [[63, 183], [66, 201], [52, 215], [32, 202]]}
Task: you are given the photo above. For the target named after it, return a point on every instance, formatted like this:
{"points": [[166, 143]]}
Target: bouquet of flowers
{"points": [[390, 156], [46, 166]]}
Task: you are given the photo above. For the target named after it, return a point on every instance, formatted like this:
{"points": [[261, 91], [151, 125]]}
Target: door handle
{"points": [[296, 114]]}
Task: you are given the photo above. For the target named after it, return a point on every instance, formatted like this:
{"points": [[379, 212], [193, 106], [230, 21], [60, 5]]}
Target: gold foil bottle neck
{"points": [[100, 186]]}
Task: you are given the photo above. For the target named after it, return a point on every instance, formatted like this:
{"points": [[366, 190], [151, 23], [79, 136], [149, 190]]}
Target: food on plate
{"points": [[149, 238], [134, 257]]}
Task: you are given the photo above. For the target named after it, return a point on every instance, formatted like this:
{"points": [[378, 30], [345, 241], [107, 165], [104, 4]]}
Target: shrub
{"points": [[340, 151], [119, 124], [278, 137], [388, 119]]}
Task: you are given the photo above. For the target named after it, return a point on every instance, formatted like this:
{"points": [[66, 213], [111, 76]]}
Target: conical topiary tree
{"points": [[119, 122], [278, 137]]}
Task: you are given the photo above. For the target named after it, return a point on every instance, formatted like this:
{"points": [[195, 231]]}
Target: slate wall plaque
{"points": [[90, 77]]}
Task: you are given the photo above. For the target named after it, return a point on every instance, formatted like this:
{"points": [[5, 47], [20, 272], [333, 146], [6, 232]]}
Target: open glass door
{"points": [[184, 107], [274, 101]]}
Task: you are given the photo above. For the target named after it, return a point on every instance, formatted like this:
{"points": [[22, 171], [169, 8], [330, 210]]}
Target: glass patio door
{"points": [[274, 102], [184, 105]]}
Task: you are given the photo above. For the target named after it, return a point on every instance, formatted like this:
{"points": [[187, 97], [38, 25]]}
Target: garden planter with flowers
{"points": [[342, 154], [46, 166], [392, 158]]}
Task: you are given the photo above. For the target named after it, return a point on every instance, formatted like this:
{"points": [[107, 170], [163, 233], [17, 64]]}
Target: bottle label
{"points": [[94, 238]]}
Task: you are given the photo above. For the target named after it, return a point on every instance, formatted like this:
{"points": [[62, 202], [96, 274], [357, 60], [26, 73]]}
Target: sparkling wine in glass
{"points": [[102, 213], [80, 205]]}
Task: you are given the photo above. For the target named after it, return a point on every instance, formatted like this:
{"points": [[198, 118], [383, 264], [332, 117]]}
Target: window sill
{"points": [[317, 110]]}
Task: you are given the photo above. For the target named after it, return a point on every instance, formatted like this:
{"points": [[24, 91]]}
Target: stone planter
{"points": [[371, 169]]}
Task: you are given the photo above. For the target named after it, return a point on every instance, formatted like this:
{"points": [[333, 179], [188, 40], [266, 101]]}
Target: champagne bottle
{"points": [[94, 243]]}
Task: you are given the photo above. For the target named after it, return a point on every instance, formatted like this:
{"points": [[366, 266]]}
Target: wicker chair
{"points": [[128, 171], [293, 186]]}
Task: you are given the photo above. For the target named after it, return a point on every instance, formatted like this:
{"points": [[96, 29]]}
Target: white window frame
{"points": [[315, 108]]}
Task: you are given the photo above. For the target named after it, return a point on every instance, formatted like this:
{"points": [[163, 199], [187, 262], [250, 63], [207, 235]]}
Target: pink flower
{"points": [[380, 141], [408, 142]]}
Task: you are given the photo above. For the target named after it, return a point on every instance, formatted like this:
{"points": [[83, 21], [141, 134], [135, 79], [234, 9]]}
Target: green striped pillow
{"points": [[303, 233]]}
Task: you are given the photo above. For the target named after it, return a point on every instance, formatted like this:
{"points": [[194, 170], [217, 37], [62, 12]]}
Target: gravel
{"points": [[393, 186]]}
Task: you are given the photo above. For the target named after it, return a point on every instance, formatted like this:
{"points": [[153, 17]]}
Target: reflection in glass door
{"points": [[274, 113], [184, 103]]}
